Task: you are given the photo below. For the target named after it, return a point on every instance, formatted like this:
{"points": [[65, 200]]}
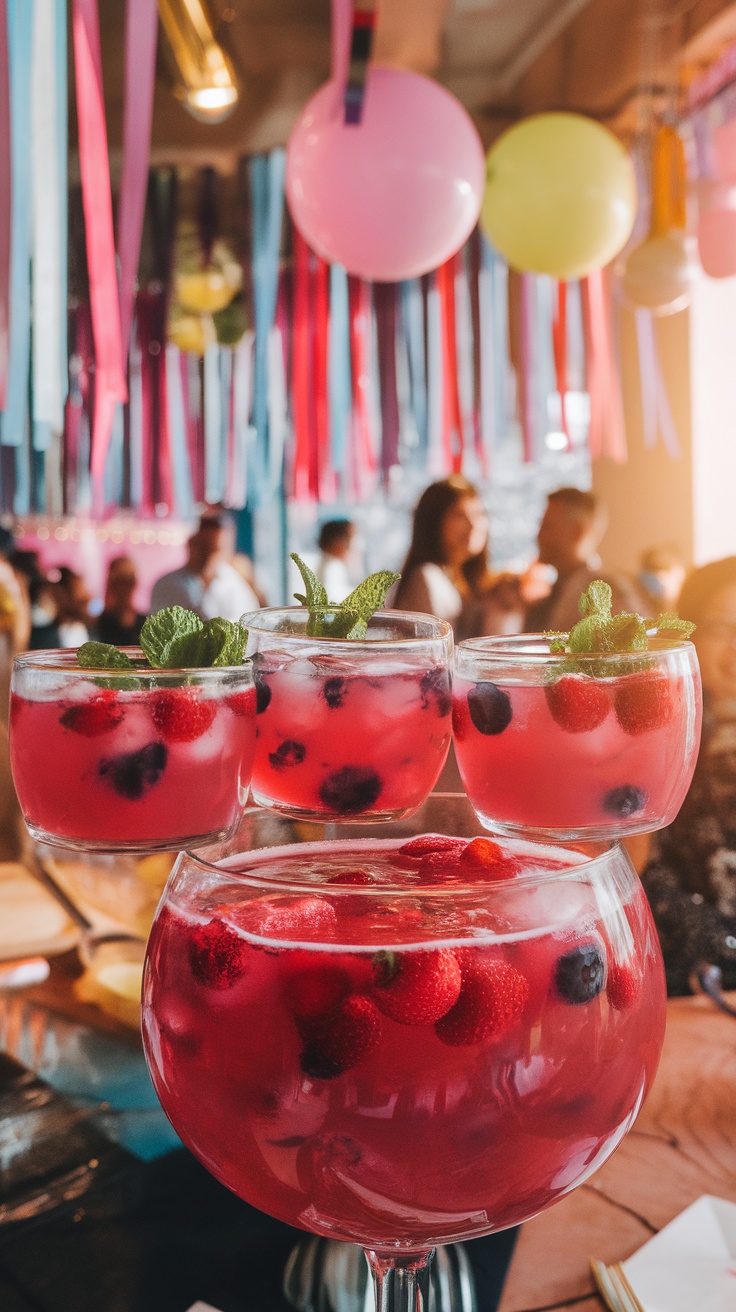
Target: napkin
{"points": [[691, 1263]]}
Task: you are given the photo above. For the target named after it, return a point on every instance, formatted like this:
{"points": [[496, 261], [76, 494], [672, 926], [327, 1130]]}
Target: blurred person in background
{"points": [[446, 569], [569, 535], [660, 578], [119, 622], [207, 583], [690, 873], [336, 543], [72, 599]]}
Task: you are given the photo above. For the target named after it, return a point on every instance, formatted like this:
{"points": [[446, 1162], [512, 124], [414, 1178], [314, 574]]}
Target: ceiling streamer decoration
{"points": [[5, 203], [110, 383]]}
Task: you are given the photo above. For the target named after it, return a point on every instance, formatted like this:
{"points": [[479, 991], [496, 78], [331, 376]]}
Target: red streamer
{"points": [[300, 370], [325, 481], [452, 423], [607, 433], [364, 467], [5, 201], [110, 387], [559, 345]]}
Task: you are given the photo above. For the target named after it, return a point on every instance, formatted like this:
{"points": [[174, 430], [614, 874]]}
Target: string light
{"points": [[206, 81]]}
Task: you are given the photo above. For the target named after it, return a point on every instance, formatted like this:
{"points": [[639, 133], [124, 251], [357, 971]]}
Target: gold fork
{"points": [[614, 1288]]}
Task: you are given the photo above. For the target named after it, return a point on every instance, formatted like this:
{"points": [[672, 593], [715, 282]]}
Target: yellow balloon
{"points": [[206, 291], [192, 332], [560, 195]]}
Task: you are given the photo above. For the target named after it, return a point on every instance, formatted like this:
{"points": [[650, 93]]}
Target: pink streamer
{"points": [[607, 434], [5, 204], [110, 385], [342, 26], [141, 32]]}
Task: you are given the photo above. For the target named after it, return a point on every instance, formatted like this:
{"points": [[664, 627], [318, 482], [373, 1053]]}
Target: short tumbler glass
{"points": [[148, 761], [349, 729], [590, 747]]}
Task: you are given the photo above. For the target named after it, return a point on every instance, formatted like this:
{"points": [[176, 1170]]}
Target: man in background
{"points": [[335, 542], [568, 539], [207, 584]]}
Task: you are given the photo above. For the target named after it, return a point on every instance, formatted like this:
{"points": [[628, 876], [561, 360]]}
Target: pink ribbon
{"points": [[5, 197], [141, 32], [110, 387], [607, 434]]}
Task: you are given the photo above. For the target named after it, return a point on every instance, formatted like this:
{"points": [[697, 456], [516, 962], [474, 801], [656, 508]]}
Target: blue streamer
{"points": [[500, 286], [20, 35], [22, 454], [113, 477], [545, 377], [183, 496], [339, 377], [212, 426], [412, 314], [267, 196]]}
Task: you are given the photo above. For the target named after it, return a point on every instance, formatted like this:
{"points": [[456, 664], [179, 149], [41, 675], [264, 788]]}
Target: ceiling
{"points": [[502, 58]]}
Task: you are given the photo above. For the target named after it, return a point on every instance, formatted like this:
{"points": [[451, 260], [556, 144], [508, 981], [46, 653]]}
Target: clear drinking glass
{"points": [[388, 1043], [349, 729], [140, 762], [590, 747]]}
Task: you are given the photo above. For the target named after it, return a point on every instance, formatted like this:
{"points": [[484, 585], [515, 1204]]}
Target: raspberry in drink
{"points": [[159, 763], [350, 729], [601, 749], [402, 1045]]}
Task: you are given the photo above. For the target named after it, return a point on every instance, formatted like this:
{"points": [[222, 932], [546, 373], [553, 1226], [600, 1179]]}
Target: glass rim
{"points": [[63, 660], [521, 648], [585, 864], [443, 630]]}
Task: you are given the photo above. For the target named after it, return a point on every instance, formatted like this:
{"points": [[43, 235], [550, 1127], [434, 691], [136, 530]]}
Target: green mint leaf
{"points": [[102, 656], [316, 591], [370, 595], [671, 623], [216, 642], [596, 600], [163, 630]]}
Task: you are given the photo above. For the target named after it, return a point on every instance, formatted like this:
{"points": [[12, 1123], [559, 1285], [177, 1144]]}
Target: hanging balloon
{"points": [[204, 282], [560, 195], [657, 275], [191, 332], [716, 230], [396, 195]]}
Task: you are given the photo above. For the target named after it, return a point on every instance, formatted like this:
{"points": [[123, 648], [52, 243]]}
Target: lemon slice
{"points": [[116, 987]]}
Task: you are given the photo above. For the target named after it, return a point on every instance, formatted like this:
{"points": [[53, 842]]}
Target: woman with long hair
{"points": [[447, 564]]}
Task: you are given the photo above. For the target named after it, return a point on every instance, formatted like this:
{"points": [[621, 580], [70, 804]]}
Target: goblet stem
{"points": [[401, 1284]]}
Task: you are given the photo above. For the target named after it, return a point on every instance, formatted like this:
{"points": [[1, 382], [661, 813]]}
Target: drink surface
{"points": [[408, 1068], [599, 757], [333, 742], [129, 768]]}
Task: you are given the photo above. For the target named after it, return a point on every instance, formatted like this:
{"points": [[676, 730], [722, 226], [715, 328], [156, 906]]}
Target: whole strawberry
{"points": [[101, 714], [340, 1038], [416, 988], [643, 702], [425, 844], [577, 703], [623, 986], [483, 859], [492, 998], [181, 715], [217, 955]]}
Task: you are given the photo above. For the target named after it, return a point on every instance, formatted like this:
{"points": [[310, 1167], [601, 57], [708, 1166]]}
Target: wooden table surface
{"points": [[683, 1145]]}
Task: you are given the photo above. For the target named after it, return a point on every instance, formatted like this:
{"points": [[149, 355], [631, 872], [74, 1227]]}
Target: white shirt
{"points": [[334, 574], [227, 594]]}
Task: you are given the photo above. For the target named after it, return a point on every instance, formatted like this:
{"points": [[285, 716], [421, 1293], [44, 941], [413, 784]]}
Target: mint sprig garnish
{"points": [[599, 631], [345, 619], [172, 639]]}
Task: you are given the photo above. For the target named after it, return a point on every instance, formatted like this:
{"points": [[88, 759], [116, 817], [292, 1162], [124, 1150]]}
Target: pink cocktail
{"points": [[591, 747], [142, 761], [403, 1045], [349, 728]]}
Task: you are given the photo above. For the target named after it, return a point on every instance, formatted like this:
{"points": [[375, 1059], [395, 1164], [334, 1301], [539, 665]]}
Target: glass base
{"points": [[133, 847], [332, 817], [606, 833], [324, 1275]]}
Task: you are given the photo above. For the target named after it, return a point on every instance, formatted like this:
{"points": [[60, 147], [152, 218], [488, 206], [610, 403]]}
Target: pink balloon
{"points": [[717, 241], [396, 195]]}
